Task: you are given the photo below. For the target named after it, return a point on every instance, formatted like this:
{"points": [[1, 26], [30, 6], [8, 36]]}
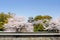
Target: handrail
{"points": [[32, 34]]}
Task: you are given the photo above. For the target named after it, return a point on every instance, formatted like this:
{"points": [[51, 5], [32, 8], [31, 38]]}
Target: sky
{"points": [[31, 8]]}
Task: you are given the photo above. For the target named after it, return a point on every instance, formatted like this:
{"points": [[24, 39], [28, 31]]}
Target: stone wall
{"points": [[29, 38]]}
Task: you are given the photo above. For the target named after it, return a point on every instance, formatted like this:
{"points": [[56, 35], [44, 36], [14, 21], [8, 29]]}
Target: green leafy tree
{"points": [[39, 27], [39, 17], [3, 19]]}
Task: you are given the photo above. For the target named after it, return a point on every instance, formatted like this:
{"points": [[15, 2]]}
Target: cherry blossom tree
{"points": [[16, 23], [53, 24]]}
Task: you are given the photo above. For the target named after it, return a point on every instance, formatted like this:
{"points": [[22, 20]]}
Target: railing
{"points": [[37, 34]]}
